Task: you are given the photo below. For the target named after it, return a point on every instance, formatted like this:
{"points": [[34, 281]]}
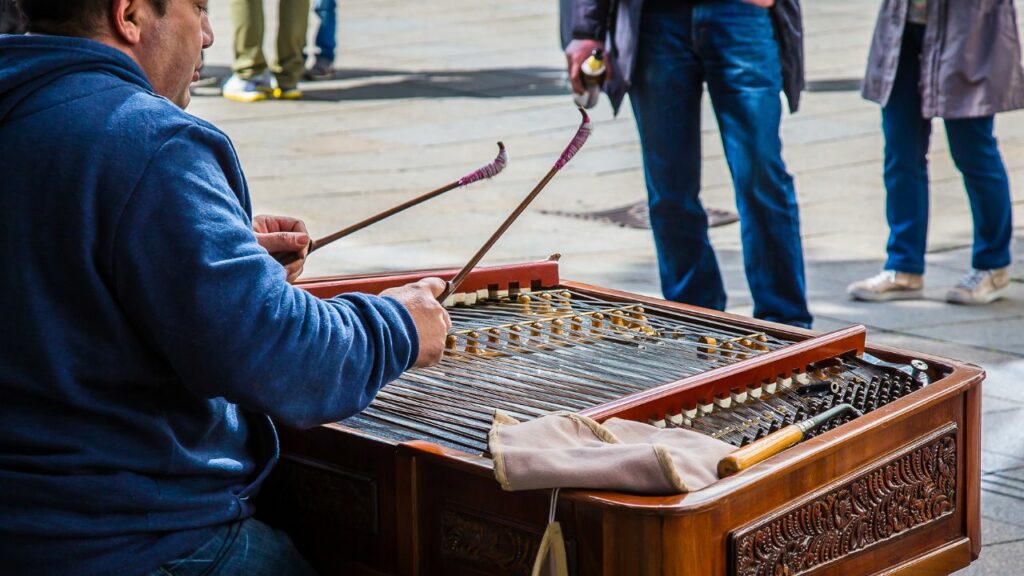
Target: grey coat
{"points": [[970, 63], [617, 23]]}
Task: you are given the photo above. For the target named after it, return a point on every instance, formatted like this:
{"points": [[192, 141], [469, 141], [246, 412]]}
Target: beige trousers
{"points": [[293, 18]]}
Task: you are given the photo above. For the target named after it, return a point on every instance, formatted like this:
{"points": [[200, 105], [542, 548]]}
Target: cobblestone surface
{"points": [[426, 88]]}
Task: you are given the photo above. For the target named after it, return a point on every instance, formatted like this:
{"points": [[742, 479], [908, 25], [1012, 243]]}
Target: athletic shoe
{"points": [[980, 287], [320, 70], [888, 285], [284, 92], [287, 93], [239, 90]]}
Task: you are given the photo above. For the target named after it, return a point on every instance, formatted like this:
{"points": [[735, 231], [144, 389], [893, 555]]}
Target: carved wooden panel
{"points": [[489, 544], [342, 499], [916, 487]]}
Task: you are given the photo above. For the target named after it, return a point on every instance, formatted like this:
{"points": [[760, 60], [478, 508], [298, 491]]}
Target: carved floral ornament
{"points": [[488, 543], [915, 488]]}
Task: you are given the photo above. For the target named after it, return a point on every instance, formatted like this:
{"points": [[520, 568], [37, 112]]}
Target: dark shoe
{"points": [[320, 70]]}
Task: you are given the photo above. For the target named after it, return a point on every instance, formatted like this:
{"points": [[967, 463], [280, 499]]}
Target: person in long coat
{"points": [[959, 61]]}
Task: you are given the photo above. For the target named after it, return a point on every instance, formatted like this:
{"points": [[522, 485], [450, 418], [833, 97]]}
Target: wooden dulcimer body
{"points": [[407, 487]]}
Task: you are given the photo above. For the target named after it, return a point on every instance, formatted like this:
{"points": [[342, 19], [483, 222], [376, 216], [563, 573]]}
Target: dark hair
{"points": [[11, 20], [70, 17]]}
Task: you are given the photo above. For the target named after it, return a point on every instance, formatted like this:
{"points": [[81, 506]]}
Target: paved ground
{"points": [[425, 90]]}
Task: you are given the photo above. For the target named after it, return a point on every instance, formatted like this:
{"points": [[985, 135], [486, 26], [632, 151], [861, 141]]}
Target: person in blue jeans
{"points": [[326, 41], [747, 52], [247, 547], [959, 61]]}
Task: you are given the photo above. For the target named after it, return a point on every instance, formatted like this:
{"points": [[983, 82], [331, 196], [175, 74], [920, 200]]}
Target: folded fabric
{"points": [[564, 450]]}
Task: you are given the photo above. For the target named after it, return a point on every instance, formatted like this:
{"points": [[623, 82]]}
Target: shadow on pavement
{"points": [[387, 84]]}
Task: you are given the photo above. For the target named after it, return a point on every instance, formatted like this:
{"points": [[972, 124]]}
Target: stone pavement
{"points": [[425, 90]]}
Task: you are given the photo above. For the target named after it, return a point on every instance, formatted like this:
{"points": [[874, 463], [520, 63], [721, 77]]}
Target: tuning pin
{"points": [[618, 318], [536, 330], [558, 327], [725, 349], [637, 313], [712, 344], [524, 301], [565, 301], [762, 340], [473, 343], [544, 306], [576, 325]]}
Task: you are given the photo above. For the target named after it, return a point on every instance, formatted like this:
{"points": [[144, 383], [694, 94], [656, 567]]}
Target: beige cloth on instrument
{"points": [[564, 450]]}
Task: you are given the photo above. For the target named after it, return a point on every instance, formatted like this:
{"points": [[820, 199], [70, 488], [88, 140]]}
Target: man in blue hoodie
{"points": [[146, 334]]}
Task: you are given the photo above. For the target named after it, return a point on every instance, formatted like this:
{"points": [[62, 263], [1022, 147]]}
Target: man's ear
{"points": [[127, 17]]}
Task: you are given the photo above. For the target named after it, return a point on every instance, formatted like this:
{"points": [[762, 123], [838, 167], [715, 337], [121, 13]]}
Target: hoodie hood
{"points": [[30, 62]]}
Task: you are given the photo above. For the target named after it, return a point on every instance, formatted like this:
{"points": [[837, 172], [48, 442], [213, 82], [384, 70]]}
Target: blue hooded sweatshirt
{"points": [[144, 334]]}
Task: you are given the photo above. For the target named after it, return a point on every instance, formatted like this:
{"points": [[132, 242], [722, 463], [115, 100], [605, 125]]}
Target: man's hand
{"points": [[761, 3], [280, 235], [575, 53], [431, 319]]}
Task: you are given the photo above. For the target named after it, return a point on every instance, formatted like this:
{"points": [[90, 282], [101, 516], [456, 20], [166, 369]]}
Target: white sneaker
{"points": [[980, 287], [252, 90], [888, 285]]}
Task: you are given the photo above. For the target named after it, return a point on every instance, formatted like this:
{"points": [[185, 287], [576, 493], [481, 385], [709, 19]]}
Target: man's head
{"points": [[165, 37]]}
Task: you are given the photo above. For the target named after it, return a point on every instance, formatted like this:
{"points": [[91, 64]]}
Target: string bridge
{"points": [[549, 319]]}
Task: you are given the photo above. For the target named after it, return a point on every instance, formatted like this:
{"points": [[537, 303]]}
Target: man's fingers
{"points": [[265, 224], [435, 285], [296, 225], [298, 239], [294, 270], [431, 319], [283, 241]]}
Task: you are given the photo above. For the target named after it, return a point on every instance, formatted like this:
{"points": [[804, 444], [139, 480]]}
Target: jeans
{"points": [[248, 547], [975, 153], [327, 33], [731, 46]]}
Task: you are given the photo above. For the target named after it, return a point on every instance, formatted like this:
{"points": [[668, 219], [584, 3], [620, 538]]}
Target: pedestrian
{"points": [[326, 41], [747, 51], [959, 61], [251, 80], [147, 335]]}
